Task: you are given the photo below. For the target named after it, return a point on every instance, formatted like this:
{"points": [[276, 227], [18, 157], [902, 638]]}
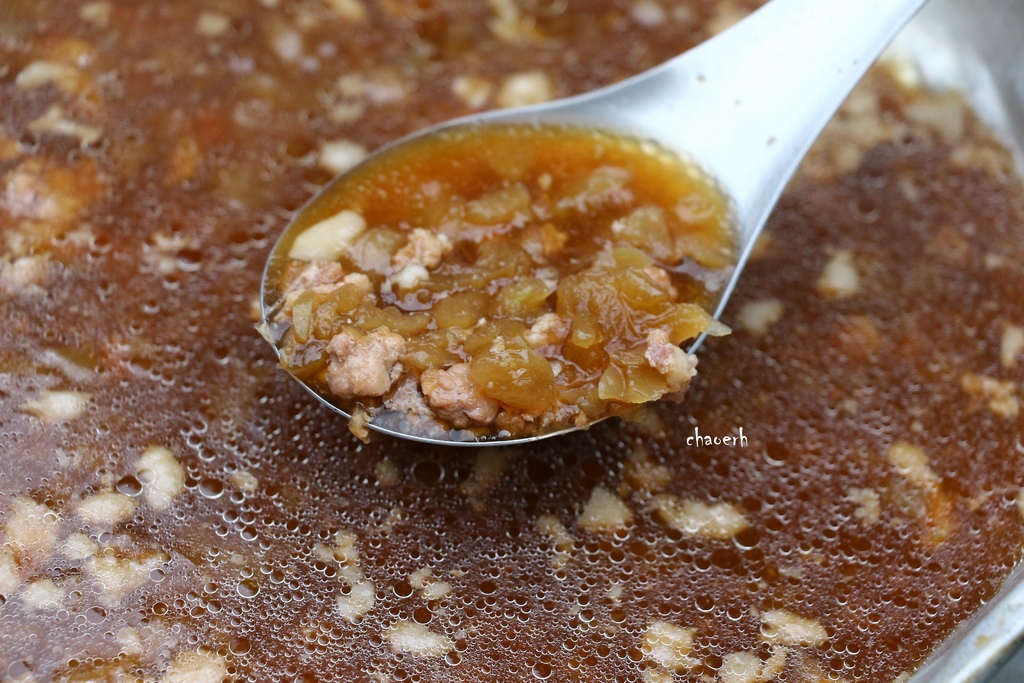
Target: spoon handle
{"points": [[749, 103], [746, 105]]}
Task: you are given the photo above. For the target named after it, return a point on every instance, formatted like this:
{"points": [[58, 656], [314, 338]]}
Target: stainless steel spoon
{"points": [[744, 106]]}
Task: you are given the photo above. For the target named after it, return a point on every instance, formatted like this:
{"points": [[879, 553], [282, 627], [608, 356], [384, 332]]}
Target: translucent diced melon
{"points": [[429, 350], [499, 206], [517, 377], [522, 298], [612, 386], [328, 317], [512, 331], [645, 228], [302, 315], [461, 310], [369, 317], [304, 360], [683, 321]]}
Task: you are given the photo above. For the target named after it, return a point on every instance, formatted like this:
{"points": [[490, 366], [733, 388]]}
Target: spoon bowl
{"points": [[744, 107]]}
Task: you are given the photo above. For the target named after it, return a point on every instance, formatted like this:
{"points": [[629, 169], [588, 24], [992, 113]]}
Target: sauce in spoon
{"points": [[501, 281]]}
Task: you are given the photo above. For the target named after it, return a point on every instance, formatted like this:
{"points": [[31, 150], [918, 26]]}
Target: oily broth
{"points": [[146, 311]]}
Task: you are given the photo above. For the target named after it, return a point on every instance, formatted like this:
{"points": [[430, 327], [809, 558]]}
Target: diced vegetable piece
{"points": [[630, 379], [495, 261], [585, 332], [695, 209], [628, 257], [612, 386], [405, 324], [500, 206], [483, 337], [683, 321], [331, 313], [464, 309], [516, 376], [645, 384], [430, 350], [645, 228], [304, 360], [637, 290], [302, 315], [522, 298], [606, 185]]}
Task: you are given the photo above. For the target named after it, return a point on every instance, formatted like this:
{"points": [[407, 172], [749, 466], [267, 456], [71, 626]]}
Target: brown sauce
{"points": [[174, 508], [501, 281]]}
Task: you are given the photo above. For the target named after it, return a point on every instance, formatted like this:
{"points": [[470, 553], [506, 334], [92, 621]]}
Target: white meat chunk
{"points": [[56, 122], [424, 248], [364, 363], [317, 273], [410, 277], [338, 156], [47, 200], [1011, 346], [212, 24], [757, 317], [357, 602], [648, 13], [30, 531], [410, 412], [455, 397], [25, 275], [548, 330], [319, 276], [196, 666], [10, 579], [348, 10], [604, 511], [119, 576], [42, 595], [39, 73], [676, 365], [328, 239], [697, 518], [840, 279], [789, 628], [408, 400], [417, 639], [472, 91], [360, 280], [162, 476], [528, 87], [669, 645], [106, 508], [53, 407]]}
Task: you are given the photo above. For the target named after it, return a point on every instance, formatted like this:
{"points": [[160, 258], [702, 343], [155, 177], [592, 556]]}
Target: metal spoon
{"points": [[744, 106]]}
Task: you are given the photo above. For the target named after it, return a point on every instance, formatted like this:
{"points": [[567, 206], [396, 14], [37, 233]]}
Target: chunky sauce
{"points": [[499, 281], [173, 508]]}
